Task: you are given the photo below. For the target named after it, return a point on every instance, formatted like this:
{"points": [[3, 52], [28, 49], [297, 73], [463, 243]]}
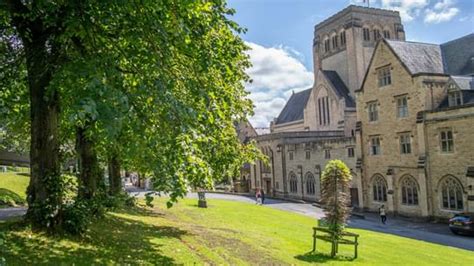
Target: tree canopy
{"points": [[159, 84]]}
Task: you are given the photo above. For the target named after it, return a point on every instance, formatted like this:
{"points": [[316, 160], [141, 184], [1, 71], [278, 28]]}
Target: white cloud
{"points": [[441, 12], [434, 11], [275, 72], [409, 9]]}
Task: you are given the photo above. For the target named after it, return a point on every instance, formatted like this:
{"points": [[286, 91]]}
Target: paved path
{"points": [[6, 213], [430, 232]]}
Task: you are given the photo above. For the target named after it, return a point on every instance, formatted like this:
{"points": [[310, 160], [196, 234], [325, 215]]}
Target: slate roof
{"points": [[458, 56], [466, 85], [464, 82], [294, 108], [339, 86], [418, 57], [11, 158]]}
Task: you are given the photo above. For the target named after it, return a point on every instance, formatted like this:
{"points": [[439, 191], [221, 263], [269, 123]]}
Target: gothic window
{"points": [[386, 34], [373, 111], [334, 42], [308, 155], [343, 38], [293, 183], [454, 98], [326, 46], [405, 143], [451, 194], [384, 76], [375, 145], [350, 152], [320, 112], [409, 191], [290, 155], [376, 34], [327, 154], [379, 187], [447, 142], [324, 111], [402, 106], [366, 32], [310, 184]]}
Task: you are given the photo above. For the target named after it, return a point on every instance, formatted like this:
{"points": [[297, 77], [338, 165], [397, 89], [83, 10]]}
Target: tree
{"points": [[334, 194], [159, 81]]}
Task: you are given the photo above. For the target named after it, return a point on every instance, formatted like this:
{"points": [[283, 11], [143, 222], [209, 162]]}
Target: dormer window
{"points": [[377, 34], [454, 98], [386, 34]]}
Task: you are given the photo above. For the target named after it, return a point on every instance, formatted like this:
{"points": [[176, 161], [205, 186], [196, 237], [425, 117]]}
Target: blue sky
{"points": [[280, 33]]}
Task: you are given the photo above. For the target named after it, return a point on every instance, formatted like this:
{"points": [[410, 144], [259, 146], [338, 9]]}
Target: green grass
{"points": [[225, 233], [13, 186]]}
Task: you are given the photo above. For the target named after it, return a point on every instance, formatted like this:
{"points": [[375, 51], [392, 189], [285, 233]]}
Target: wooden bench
{"points": [[329, 236]]}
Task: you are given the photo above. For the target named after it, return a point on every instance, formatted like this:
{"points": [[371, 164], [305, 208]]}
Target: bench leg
{"points": [[314, 243], [355, 251], [333, 248]]}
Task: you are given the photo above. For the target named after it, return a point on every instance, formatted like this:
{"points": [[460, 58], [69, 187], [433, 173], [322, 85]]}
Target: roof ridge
{"points": [[457, 39], [413, 42]]}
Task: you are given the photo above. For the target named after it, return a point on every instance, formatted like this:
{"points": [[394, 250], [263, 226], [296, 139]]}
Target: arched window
{"points": [[409, 191], [293, 183], [310, 182], [379, 189], [451, 194]]}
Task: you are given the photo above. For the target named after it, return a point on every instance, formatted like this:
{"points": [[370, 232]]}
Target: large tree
{"points": [[160, 83]]}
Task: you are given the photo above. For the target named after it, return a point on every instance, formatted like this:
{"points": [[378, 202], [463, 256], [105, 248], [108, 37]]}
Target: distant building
{"points": [[318, 124]]}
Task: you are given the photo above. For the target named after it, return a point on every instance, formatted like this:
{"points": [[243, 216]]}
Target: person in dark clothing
{"points": [[263, 196], [383, 215]]}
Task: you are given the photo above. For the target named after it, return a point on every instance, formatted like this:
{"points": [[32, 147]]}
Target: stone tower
{"points": [[345, 41]]}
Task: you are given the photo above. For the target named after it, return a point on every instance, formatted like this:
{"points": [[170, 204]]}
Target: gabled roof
{"points": [[466, 85], [458, 56], [339, 86], [294, 108], [464, 82], [418, 57]]}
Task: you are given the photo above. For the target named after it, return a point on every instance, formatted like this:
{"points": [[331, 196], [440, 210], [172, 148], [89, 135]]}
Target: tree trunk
{"points": [[89, 170], [115, 180], [44, 191]]}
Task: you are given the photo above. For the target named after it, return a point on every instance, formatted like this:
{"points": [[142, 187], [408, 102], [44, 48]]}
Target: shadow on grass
{"points": [[317, 257], [112, 240]]}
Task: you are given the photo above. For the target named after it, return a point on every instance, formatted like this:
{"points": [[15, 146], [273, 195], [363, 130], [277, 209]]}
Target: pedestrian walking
{"points": [[263, 196], [258, 196], [383, 215]]}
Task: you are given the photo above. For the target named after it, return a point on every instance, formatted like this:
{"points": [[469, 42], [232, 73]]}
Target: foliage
{"points": [[225, 233], [335, 194], [159, 82], [149, 199]]}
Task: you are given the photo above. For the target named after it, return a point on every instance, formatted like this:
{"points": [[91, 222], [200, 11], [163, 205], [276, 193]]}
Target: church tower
{"points": [[345, 41]]}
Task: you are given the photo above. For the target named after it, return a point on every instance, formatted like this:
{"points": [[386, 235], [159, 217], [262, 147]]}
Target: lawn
{"points": [[225, 233], [13, 186]]}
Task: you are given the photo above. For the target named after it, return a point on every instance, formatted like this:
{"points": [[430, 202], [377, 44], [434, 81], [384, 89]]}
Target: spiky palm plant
{"points": [[335, 195]]}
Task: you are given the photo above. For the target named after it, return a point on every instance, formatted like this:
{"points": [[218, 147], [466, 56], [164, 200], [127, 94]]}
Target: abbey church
{"points": [[398, 113]]}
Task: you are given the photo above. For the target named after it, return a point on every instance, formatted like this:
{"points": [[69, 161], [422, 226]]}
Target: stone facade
{"points": [[399, 114], [318, 124], [296, 160], [398, 148]]}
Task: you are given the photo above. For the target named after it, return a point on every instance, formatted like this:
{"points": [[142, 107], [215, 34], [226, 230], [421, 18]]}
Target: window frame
{"points": [[405, 143], [378, 149], [373, 111], [402, 110], [409, 190], [384, 76], [446, 138], [379, 189]]}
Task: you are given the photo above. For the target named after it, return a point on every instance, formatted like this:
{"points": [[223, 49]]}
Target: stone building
{"points": [[318, 124], [415, 112]]}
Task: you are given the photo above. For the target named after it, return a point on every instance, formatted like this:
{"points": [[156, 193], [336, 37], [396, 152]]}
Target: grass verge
{"points": [[225, 233]]}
